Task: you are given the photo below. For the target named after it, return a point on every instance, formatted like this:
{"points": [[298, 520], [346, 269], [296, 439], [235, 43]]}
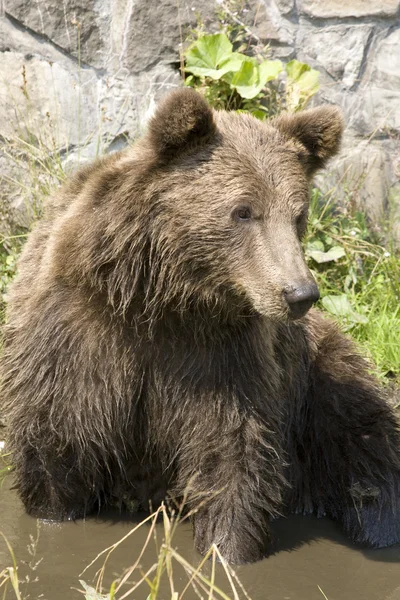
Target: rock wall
{"points": [[81, 75]]}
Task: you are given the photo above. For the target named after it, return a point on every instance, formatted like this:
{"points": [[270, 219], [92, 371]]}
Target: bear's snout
{"points": [[300, 297]]}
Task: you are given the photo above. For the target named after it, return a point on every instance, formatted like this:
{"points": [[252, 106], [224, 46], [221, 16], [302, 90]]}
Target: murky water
{"points": [[311, 554]]}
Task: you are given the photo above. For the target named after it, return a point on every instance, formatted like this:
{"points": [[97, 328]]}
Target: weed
{"points": [[162, 573], [9, 575], [5, 468], [10, 247], [233, 80], [358, 277], [168, 571]]}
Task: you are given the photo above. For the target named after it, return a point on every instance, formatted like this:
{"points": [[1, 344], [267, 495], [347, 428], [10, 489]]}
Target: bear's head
{"points": [[229, 197]]}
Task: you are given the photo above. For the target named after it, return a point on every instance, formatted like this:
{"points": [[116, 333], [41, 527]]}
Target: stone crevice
{"points": [[364, 60], [43, 38]]}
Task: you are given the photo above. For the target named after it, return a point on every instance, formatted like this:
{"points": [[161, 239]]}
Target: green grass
{"points": [[10, 247], [5, 467], [382, 336], [9, 575], [359, 278], [38, 162]]}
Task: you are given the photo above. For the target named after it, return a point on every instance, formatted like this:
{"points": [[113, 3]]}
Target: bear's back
{"points": [[31, 264]]}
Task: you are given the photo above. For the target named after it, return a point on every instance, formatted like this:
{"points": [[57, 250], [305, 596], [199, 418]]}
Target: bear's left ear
{"points": [[183, 119], [319, 130]]}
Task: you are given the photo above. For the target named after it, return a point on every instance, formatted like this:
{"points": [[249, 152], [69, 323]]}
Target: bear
{"points": [[161, 339]]}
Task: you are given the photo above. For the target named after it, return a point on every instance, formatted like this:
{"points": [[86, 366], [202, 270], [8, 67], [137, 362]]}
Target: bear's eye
{"points": [[242, 213]]}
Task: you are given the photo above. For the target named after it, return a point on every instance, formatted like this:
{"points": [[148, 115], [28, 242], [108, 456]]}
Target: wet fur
{"points": [[134, 364]]}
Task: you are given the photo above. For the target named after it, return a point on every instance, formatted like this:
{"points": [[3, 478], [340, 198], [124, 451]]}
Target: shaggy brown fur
{"points": [[152, 343]]}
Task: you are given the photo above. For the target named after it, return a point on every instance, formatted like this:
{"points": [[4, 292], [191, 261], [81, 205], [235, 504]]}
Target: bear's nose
{"points": [[300, 298]]}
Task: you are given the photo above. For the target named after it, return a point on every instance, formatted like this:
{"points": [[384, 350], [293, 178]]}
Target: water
{"points": [[310, 552]]}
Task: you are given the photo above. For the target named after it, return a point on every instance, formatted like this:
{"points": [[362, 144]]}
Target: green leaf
{"points": [[341, 307], [270, 69], [189, 81], [212, 56], [233, 63], [315, 245], [308, 82], [295, 69], [302, 83], [336, 252], [259, 114], [247, 79], [252, 77], [333, 254]]}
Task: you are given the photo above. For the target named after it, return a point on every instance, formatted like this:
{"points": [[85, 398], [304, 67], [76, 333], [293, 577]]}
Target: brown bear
{"points": [[158, 341]]}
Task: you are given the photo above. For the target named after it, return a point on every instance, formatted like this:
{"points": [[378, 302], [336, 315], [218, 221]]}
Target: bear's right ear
{"points": [[319, 131], [183, 119]]}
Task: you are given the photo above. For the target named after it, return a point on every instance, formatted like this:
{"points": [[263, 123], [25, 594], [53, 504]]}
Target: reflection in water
{"points": [[309, 553]]}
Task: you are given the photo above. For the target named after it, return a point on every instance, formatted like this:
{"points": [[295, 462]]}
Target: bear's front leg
{"points": [[345, 446], [240, 530], [236, 487], [52, 489]]}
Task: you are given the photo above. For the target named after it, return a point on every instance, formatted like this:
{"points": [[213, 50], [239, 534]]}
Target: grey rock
{"points": [[65, 111], [362, 173], [77, 26], [285, 6], [153, 31], [320, 46], [348, 101], [394, 213], [384, 69], [369, 112], [264, 19], [68, 104], [27, 43], [354, 8], [282, 52], [271, 25], [379, 112]]}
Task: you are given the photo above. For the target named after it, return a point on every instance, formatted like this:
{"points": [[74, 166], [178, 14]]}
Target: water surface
{"points": [[310, 552]]}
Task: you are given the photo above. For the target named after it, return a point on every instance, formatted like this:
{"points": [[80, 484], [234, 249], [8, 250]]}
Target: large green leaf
{"points": [[247, 79], [340, 307], [212, 56], [320, 256], [252, 76], [315, 245]]}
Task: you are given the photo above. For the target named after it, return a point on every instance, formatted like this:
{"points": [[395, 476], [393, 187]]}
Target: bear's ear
{"points": [[319, 130], [183, 119]]}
